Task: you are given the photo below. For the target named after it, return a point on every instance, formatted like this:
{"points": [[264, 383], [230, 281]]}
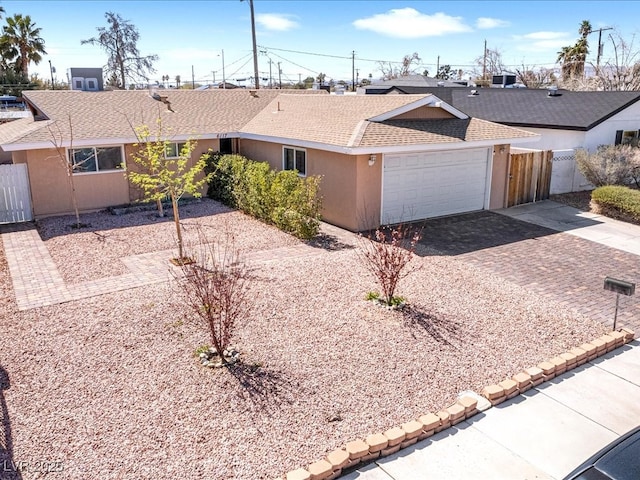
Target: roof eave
{"points": [[92, 142], [389, 148]]}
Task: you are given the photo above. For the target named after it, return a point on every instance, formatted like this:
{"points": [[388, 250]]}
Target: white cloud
{"points": [[410, 23], [543, 41], [276, 21], [545, 35], [486, 22]]}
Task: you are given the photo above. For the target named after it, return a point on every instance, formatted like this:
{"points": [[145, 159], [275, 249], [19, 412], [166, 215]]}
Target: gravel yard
{"points": [[109, 385]]}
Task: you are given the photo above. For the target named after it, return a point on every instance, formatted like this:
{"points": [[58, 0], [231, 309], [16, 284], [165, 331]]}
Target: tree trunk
{"points": [[176, 219]]}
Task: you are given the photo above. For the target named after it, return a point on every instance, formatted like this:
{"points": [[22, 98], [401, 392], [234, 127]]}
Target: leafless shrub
{"points": [[609, 164], [386, 254], [215, 287]]}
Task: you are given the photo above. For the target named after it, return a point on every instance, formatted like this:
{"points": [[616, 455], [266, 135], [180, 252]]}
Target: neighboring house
{"points": [[565, 120], [382, 158], [407, 84]]}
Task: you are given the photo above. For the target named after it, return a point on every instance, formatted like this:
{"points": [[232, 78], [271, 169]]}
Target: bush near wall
{"points": [[618, 202], [282, 198]]}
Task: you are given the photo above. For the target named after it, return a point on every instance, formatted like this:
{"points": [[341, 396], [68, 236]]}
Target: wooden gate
{"points": [[15, 197], [529, 176]]}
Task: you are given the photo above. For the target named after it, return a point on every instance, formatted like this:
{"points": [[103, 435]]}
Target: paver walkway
{"points": [[37, 282], [565, 268]]}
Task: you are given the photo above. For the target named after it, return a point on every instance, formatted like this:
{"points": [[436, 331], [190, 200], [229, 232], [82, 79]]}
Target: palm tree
{"points": [[574, 57], [21, 42]]}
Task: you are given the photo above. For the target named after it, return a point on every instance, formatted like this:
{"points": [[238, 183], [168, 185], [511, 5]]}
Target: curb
{"points": [[379, 445]]}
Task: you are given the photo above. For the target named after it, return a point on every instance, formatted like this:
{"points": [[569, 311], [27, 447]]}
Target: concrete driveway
{"points": [[567, 266], [542, 434]]}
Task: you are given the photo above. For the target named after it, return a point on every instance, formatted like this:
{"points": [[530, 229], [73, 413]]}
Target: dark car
{"points": [[620, 460]]}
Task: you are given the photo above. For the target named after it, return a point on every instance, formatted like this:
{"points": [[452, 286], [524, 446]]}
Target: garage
{"points": [[432, 184]]}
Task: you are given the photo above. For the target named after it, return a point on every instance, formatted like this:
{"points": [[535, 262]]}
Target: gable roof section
{"points": [[184, 114], [534, 108], [332, 120], [365, 124], [451, 131]]}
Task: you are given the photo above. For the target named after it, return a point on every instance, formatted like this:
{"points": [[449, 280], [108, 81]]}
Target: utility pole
{"points": [[279, 76], [193, 78], [270, 75], [353, 66], [484, 63], [51, 69], [437, 66], [224, 80], [255, 48], [600, 30], [358, 76], [214, 76]]}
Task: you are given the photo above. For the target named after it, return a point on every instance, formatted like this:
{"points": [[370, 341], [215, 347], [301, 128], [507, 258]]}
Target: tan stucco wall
{"points": [[423, 113], [350, 189], [499, 181], [50, 189]]}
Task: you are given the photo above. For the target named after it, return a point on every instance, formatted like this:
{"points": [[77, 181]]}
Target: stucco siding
{"points": [[500, 166]]}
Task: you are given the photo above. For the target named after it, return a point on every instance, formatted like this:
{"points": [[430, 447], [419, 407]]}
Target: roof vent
{"points": [[253, 93], [473, 93], [440, 84], [553, 91]]}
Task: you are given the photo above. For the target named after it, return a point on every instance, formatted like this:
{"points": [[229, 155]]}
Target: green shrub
{"points": [[618, 201], [220, 169], [282, 198]]}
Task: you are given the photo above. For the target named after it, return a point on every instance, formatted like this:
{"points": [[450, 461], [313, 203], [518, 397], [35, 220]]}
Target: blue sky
{"points": [[308, 37]]}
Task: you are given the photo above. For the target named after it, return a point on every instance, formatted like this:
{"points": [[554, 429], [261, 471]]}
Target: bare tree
{"points": [[407, 66], [532, 77], [215, 288], [622, 71], [120, 41], [489, 64], [69, 166], [386, 253]]}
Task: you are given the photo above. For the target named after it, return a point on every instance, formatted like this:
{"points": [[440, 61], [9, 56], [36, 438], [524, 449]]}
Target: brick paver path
{"points": [[558, 266], [37, 282]]}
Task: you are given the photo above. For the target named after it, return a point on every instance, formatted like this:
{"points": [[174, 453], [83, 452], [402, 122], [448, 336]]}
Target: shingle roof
{"points": [[331, 120], [343, 121], [412, 81], [338, 122], [535, 108], [188, 113], [423, 132]]}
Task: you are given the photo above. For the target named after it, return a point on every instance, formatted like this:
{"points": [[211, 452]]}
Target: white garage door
{"points": [[431, 184]]}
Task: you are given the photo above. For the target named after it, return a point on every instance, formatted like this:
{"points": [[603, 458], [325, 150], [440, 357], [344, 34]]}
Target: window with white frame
{"points": [[627, 137], [173, 149], [294, 159], [96, 159]]}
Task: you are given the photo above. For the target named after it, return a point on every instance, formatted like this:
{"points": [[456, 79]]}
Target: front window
{"points": [[629, 137], [96, 159], [295, 159], [173, 149]]}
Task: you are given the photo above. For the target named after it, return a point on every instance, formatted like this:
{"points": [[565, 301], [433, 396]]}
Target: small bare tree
{"points": [[69, 166], [386, 254], [215, 288]]}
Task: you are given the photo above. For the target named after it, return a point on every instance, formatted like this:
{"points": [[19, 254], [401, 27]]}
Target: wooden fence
{"points": [[529, 176]]}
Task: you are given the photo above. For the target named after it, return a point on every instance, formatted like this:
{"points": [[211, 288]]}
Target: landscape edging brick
{"points": [[465, 407]]}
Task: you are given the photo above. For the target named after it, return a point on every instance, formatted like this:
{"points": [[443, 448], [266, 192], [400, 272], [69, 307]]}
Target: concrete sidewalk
{"points": [[542, 434], [590, 226]]}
